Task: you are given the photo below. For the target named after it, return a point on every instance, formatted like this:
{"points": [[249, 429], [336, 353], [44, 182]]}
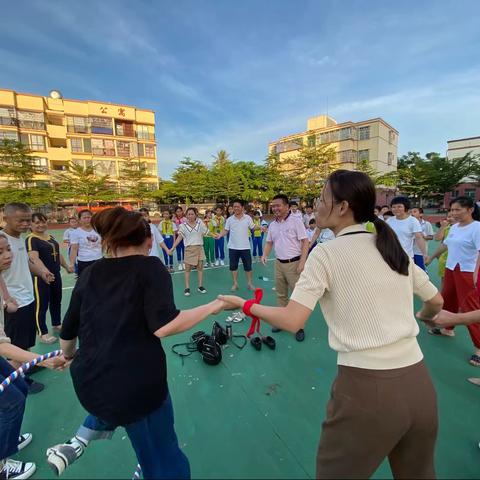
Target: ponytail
{"points": [[358, 190], [390, 248]]}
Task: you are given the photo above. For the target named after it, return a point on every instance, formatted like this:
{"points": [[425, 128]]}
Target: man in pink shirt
{"points": [[288, 236]]}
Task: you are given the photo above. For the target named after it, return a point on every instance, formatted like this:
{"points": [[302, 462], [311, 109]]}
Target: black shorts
{"points": [[83, 265], [235, 255], [20, 326]]}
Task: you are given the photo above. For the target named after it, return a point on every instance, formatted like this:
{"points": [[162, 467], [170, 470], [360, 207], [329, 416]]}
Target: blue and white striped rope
{"points": [[27, 366]]}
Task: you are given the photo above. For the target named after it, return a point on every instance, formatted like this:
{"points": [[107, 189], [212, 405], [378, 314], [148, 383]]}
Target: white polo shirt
{"points": [[18, 278], [239, 229]]}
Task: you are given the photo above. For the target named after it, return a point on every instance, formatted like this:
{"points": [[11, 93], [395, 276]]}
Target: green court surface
{"points": [[257, 414]]}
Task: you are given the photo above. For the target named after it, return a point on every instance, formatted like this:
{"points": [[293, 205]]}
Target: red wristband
{"points": [[247, 306]]}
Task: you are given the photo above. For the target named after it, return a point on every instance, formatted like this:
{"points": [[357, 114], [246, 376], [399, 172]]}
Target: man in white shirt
{"points": [[20, 326], [427, 231], [295, 211], [239, 225], [157, 238], [407, 228]]}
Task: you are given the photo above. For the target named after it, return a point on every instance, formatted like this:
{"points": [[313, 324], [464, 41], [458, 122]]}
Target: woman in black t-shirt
{"points": [[44, 250], [121, 306]]}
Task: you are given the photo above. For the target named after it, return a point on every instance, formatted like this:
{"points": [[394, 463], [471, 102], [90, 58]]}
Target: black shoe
{"points": [[300, 335], [35, 387], [187, 292], [275, 329], [202, 290]]}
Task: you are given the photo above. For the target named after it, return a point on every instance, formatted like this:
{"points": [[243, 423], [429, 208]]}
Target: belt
{"points": [[290, 260]]}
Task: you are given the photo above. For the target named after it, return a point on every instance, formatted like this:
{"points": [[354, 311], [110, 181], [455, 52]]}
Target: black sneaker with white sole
{"points": [[24, 440], [187, 292], [201, 290], [61, 456], [15, 470]]}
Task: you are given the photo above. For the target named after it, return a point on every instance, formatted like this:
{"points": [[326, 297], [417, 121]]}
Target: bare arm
{"points": [[177, 241], [220, 235], [35, 260], [304, 255], [316, 234], [266, 251], [19, 356], [73, 253], [421, 244], [449, 319], [430, 308], [187, 319], [69, 347]]}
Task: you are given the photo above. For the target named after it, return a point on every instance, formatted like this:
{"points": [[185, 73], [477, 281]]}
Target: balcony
{"points": [[56, 131], [58, 154]]}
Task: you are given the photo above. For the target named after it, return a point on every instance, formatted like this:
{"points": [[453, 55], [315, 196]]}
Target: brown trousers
{"points": [[373, 414], [286, 277]]}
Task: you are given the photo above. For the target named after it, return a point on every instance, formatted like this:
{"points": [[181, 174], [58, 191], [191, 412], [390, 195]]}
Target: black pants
{"points": [[47, 297], [83, 265], [20, 326]]}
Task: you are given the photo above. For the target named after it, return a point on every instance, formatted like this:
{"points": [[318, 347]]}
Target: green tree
{"points": [[191, 181], [222, 156], [133, 180], [83, 185], [16, 164], [225, 181]]}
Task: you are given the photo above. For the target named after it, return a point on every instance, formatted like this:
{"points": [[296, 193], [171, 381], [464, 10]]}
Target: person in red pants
{"points": [[461, 273]]}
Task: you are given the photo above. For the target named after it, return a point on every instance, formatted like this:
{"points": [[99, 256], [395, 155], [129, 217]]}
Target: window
{"points": [[363, 155], [103, 147], [347, 156], [470, 192], [140, 150], [288, 145], [34, 120], [77, 125], [34, 142], [8, 116], [37, 142], [151, 169], [77, 145], [55, 120], [41, 164], [390, 158], [143, 133], [364, 133], [391, 136], [150, 151], [123, 149], [311, 141], [8, 135], [101, 125], [124, 129], [328, 137], [81, 145], [346, 133], [106, 167]]}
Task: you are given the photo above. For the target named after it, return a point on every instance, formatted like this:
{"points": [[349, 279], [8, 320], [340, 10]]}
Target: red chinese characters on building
{"points": [[121, 112]]}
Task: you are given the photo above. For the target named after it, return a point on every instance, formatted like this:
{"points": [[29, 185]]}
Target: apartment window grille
{"points": [[364, 133], [390, 158], [143, 133], [77, 125], [8, 116], [363, 155], [6, 134], [124, 129], [149, 151], [101, 125], [33, 120]]}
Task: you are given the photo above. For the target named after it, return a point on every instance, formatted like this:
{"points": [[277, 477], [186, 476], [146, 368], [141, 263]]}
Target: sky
{"points": [[224, 74]]}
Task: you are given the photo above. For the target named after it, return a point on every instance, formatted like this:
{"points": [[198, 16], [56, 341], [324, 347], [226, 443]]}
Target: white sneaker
{"points": [[222, 263], [180, 267], [15, 470], [217, 262], [24, 440], [61, 456]]}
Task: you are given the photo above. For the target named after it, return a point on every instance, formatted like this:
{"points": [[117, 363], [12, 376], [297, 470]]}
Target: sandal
{"points": [[256, 343], [269, 342], [475, 360]]}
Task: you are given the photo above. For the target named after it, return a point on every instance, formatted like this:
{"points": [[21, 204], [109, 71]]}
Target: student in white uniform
{"points": [[85, 243], [157, 239], [427, 231]]}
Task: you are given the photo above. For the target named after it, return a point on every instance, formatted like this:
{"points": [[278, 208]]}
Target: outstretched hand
{"points": [[231, 302]]}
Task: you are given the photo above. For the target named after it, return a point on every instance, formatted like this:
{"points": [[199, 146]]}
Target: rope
{"points": [[27, 366]]}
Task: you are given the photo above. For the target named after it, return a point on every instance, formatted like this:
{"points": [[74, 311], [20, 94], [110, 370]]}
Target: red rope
{"points": [[247, 306]]}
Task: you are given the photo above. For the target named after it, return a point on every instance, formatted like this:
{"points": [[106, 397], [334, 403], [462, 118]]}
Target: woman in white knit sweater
{"points": [[383, 403]]}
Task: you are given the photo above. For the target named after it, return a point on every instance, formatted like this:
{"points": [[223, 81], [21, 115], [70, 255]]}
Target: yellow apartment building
{"points": [[372, 140], [89, 133]]}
